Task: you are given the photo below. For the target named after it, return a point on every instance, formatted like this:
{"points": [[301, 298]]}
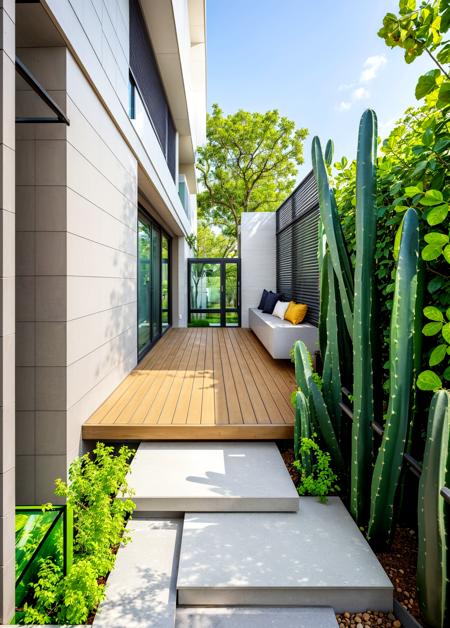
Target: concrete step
{"points": [[180, 477], [261, 617], [141, 589], [316, 557]]}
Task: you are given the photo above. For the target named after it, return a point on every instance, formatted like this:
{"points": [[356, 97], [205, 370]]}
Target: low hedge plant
{"points": [[100, 497]]}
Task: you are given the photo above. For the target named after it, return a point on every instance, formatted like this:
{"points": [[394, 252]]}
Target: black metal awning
{"points": [[61, 117]]}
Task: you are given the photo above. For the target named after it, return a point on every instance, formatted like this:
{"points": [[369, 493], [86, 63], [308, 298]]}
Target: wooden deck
{"points": [[200, 383]]}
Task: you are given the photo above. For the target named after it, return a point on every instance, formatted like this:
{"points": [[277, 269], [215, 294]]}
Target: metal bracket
{"points": [[25, 73]]}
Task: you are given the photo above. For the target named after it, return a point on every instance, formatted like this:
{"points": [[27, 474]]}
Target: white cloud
{"points": [[371, 67], [346, 86], [345, 105], [360, 93]]}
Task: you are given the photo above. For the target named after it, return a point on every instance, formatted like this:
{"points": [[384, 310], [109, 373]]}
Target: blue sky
{"points": [[320, 62]]}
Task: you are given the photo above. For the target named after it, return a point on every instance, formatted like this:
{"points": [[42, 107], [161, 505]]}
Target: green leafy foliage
{"points": [[317, 477], [410, 173], [418, 30], [101, 500], [248, 164]]}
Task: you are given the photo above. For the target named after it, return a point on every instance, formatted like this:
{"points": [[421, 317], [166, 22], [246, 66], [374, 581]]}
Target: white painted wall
{"points": [[258, 254], [101, 255]]}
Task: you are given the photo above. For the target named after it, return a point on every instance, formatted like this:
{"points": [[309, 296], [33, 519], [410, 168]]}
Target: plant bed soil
{"points": [[400, 563]]}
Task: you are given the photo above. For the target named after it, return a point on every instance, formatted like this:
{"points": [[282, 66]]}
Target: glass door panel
{"points": [[165, 282], [232, 310], [205, 291], [156, 284], [153, 283], [144, 330], [213, 293]]}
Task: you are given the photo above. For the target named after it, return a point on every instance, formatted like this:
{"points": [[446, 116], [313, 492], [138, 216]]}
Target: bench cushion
{"points": [[278, 336]]}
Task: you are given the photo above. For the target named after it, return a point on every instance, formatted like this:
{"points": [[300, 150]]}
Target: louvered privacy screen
{"points": [[297, 241], [145, 72]]}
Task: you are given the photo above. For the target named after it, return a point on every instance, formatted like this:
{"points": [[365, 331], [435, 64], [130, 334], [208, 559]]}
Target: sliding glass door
{"points": [[153, 283]]}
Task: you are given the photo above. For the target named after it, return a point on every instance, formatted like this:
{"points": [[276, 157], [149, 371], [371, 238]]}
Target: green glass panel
{"points": [[156, 284], [38, 535], [165, 282], [144, 285], [205, 320], [231, 319], [205, 286], [231, 285]]}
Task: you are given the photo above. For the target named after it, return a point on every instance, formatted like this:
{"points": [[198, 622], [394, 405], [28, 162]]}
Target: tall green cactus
{"points": [[331, 376], [302, 428], [306, 383], [432, 565], [334, 234], [363, 407], [389, 461]]}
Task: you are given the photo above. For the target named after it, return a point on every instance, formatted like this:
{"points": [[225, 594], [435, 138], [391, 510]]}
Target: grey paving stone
{"points": [[141, 589], [262, 617], [316, 557], [211, 477]]}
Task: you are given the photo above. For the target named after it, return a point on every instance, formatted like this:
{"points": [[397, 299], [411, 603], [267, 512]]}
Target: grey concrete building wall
{"points": [[7, 331], [41, 267], [76, 283]]}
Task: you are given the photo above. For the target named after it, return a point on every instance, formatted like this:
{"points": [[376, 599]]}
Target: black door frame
{"points": [[223, 261], [144, 216]]}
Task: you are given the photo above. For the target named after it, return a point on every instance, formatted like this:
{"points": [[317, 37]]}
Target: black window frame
{"points": [[144, 216]]}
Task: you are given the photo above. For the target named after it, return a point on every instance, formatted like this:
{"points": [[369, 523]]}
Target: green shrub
{"points": [[321, 481], [101, 500]]}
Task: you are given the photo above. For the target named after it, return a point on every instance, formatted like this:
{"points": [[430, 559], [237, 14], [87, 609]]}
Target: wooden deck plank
{"points": [[194, 414], [234, 408], [168, 410], [261, 414], [220, 398], [279, 390], [137, 409], [208, 405], [200, 383], [242, 380], [184, 400], [182, 346]]}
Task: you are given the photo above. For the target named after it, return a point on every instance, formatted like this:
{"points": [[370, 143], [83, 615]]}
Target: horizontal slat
{"points": [[297, 242]]}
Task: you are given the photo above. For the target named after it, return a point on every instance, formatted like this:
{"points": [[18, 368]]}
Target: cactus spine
{"points": [[389, 461], [432, 563], [363, 407]]}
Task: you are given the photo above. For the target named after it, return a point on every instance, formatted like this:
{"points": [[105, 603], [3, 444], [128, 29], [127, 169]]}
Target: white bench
{"points": [[278, 336]]}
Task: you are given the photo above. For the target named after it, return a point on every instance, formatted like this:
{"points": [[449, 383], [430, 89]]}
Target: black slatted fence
{"points": [[297, 242]]}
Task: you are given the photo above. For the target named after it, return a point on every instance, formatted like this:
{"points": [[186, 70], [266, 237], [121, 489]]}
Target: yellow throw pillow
{"points": [[296, 312]]}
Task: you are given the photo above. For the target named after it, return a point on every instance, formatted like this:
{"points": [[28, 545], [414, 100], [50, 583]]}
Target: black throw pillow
{"points": [[263, 300], [271, 301]]}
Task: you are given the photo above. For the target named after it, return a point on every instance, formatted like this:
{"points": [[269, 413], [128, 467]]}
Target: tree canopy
{"points": [[248, 164]]}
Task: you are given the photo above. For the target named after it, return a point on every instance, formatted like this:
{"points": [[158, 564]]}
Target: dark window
{"points": [[145, 73], [131, 98], [297, 247], [171, 146], [153, 283]]}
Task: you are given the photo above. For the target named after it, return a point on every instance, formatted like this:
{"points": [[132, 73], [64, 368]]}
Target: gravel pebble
{"points": [[368, 619]]}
